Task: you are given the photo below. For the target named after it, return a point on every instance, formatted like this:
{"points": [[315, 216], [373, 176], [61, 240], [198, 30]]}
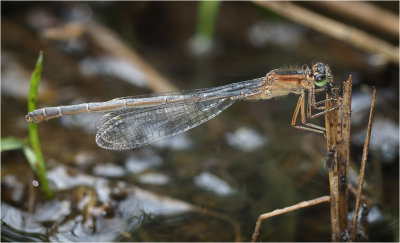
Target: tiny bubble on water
{"points": [[35, 183]]}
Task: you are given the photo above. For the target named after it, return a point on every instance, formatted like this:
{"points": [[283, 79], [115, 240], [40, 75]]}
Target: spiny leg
{"points": [[296, 111], [315, 104], [303, 117], [311, 100], [300, 105], [324, 112]]}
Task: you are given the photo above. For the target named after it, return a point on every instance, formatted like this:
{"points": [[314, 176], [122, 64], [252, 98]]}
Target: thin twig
{"points": [[364, 198], [111, 44], [64, 32], [348, 34], [363, 165], [388, 21], [303, 204]]}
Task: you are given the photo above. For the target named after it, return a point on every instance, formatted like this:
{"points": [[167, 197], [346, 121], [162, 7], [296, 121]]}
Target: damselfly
{"points": [[132, 122]]}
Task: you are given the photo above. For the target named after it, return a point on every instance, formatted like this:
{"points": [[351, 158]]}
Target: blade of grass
{"points": [[33, 131], [206, 18], [12, 143], [31, 157]]}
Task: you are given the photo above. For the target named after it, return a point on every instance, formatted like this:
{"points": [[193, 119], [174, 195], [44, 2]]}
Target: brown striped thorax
{"points": [[281, 82]]}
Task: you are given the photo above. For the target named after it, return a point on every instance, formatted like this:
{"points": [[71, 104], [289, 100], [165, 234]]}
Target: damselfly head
{"points": [[322, 74]]}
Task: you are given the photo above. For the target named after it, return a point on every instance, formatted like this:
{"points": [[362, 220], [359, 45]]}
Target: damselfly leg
{"points": [[311, 104]]}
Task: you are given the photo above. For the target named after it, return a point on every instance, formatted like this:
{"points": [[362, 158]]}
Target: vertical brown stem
{"points": [[338, 124], [363, 164], [343, 152], [331, 132]]}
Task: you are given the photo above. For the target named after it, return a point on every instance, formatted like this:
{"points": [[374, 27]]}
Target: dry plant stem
{"points": [[363, 12], [64, 32], [338, 123], [111, 44], [351, 35], [363, 164], [286, 210], [331, 121], [364, 198], [343, 152], [31, 193]]}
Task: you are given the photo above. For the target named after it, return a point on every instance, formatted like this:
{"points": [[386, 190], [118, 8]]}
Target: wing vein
{"points": [[136, 127]]}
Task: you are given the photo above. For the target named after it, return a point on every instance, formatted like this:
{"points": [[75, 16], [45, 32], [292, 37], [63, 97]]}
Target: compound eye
{"points": [[320, 79], [320, 67]]}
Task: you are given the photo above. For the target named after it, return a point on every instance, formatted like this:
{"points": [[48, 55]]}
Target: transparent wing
{"points": [[159, 119], [248, 87], [136, 127]]}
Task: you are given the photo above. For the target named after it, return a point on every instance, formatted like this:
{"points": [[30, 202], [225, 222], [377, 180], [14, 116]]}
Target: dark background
{"points": [[248, 42]]}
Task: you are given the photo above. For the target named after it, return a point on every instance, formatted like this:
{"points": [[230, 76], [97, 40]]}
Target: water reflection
{"points": [[210, 182], [54, 210], [14, 76], [17, 188], [178, 142], [109, 170], [113, 67], [138, 163], [154, 178], [246, 139], [100, 211], [86, 122], [264, 33], [21, 221]]}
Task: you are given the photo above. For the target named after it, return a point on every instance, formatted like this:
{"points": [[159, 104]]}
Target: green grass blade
{"points": [[33, 131], [12, 143], [31, 157], [34, 86], [206, 18]]}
